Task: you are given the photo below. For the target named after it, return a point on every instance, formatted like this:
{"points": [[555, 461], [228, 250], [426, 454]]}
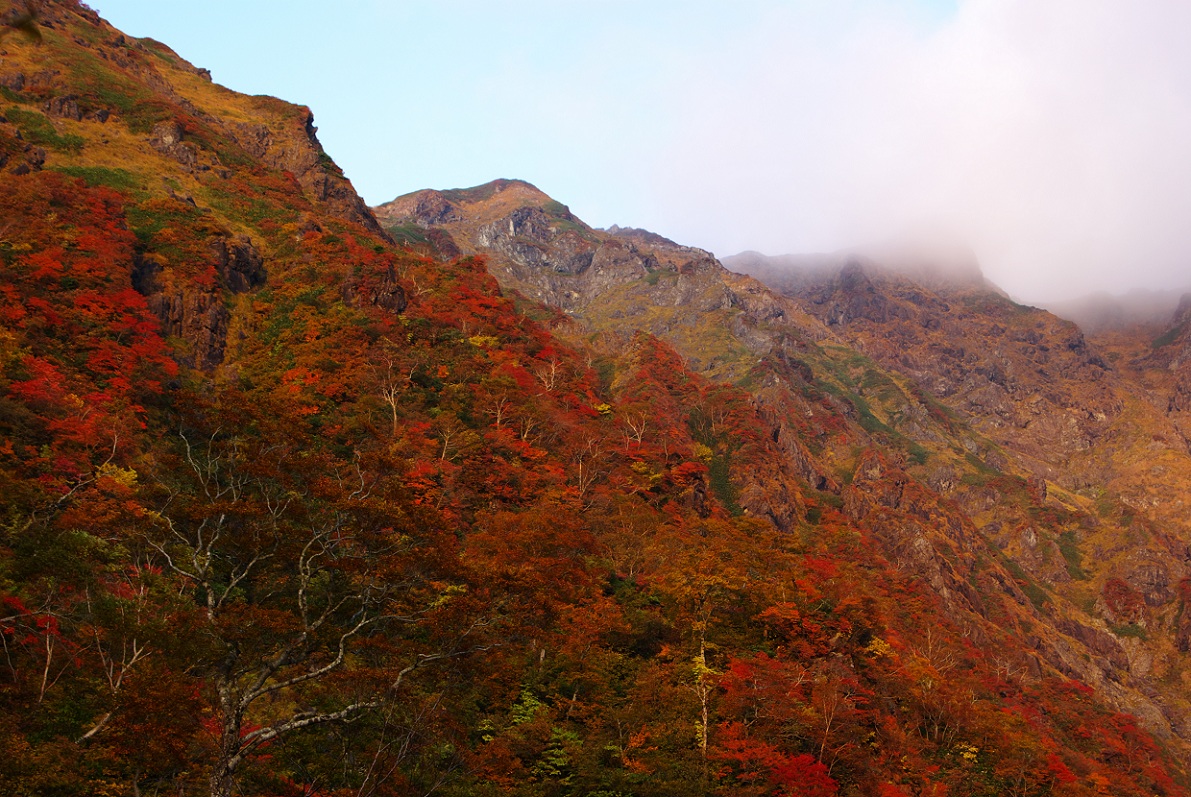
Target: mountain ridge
{"points": [[292, 510], [1045, 407]]}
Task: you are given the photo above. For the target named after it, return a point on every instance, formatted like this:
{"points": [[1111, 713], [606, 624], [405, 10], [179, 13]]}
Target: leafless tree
{"points": [[288, 581]]}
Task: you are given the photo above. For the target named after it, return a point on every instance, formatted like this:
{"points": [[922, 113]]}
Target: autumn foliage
{"points": [[393, 535]]}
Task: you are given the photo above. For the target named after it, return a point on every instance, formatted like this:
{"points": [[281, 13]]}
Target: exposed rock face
{"points": [[238, 263], [167, 138], [64, 107], [1037, 552], [1180, 394], [640, 236], [535, 242], [796, 453], [386, 294], [298, 151], [290, 145], [199, 317], [13, 81], [30, 158], [852, 296], [433, 209], [918, 534], [1101, 643], [924, 536], [1151, 579], [614, 279], [773, 495]]}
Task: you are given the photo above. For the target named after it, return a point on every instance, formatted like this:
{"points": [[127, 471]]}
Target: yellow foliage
{"points": [[125, 477], [879, 648], [10, 350], [447, 593], [968, 752]]}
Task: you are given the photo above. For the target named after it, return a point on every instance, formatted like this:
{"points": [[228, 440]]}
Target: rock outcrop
{"points": [[198, 317], [295, 148]]}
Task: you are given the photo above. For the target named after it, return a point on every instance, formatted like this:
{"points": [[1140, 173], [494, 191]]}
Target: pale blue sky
{"points": [[411, 94], [1049, 135]]}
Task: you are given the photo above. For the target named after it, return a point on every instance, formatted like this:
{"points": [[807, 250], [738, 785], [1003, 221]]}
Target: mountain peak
{"points": [[430, 207], [639, 235], [519, 189]]}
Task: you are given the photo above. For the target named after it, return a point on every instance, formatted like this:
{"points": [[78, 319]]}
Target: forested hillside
{"points": [[291, 507]]}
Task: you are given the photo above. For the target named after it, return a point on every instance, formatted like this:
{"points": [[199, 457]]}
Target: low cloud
{"points": [[1050, 136]]}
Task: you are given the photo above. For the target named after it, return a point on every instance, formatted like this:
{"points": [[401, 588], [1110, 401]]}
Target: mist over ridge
{"points": [[1048, 136], [954, 266], [1044, 136]]}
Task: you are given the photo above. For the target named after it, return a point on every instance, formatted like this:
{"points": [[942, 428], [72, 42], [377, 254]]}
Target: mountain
{"points": [[1103, 428], [610, 280], [1102, 312], [292, 507], [1040, 450]]}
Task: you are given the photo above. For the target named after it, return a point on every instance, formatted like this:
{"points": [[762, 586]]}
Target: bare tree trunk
{"points": [[223, 774]]}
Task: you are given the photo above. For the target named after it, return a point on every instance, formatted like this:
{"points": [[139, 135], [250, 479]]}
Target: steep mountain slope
{"points": [[289, 510], [608, 280], [1108, 435], [1022, 376], [1004, 414]]}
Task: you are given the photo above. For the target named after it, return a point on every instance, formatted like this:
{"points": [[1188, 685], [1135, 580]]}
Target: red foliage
{"points": [[749, 761], [1124, 601]]}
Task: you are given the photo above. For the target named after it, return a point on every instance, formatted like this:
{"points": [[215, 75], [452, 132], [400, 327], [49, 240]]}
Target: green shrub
{"points": [[1168, 337], [408, 234], [93, 176], [37, 129], [918, 454], [1132, 630], [1035, 593], [718, 475], [1070, 550]]}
